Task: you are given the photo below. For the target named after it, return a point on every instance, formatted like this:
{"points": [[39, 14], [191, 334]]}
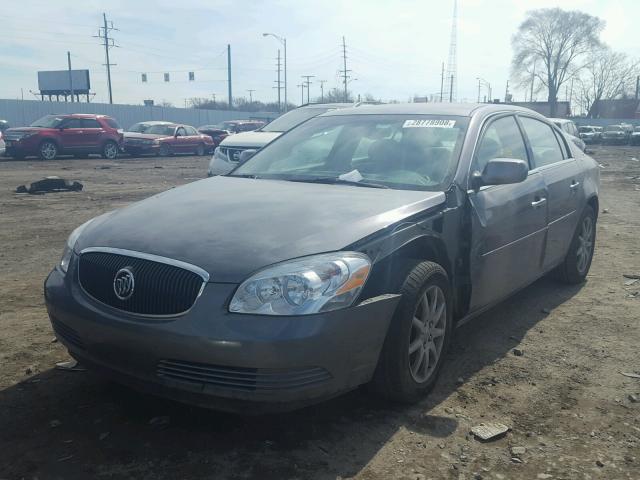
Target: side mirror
{"points": [[246, 155], [501, 171]]}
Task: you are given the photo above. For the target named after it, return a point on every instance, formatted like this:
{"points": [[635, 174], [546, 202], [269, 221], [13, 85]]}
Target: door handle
{"points": [[537, 203], [574, 185]]}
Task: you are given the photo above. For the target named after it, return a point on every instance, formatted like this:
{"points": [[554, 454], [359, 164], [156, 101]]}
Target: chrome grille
{"points": [[161, 289]]}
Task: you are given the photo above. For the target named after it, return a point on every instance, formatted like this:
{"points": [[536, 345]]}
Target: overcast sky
{"points": [[394, 48]]}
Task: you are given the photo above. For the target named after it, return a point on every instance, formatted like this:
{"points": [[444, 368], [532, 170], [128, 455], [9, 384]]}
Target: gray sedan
{"points": [[342, 253]]}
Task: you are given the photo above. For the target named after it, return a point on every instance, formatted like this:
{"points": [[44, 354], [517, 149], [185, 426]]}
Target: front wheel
{"points": [[576, 264], [418, 336], [48, 150], [165, 150], [110, 150], [200, 150]]}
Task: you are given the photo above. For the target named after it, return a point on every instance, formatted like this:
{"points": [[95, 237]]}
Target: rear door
{"points": [[552, 158], [181, 142], [92, 133], [192, 139], [509, 222]]}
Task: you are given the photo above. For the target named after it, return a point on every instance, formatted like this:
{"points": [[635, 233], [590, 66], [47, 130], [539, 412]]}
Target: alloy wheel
{"points": [[110, 150], [428, 329], [585, 244], [48, 151]]}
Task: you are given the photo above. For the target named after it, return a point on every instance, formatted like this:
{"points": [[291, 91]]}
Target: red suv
{"points": [[76, 134]]}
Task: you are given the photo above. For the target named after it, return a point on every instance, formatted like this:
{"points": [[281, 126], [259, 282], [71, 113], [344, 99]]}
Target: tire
{"points": [[165, 150], [200, 151], [575, 267], [406, 376], [110, 150], [48, 150]]}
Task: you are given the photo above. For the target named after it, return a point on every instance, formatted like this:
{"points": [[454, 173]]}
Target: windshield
{"points": [[138, 127], [414, 152], [48, 121], [586, 130], [167, 130], [613, 128], [293, 118]]}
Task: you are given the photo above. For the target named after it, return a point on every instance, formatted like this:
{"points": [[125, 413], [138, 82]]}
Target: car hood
{"points": [[249, 139], [232, 227]]}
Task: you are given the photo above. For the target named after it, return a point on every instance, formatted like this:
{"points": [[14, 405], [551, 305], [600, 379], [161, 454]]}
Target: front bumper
{"points": [[141, 149], [209, 357]]}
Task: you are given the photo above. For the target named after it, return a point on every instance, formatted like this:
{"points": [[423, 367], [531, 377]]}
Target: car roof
{"points": [[561, 120], [433, 108], [155, 122]]}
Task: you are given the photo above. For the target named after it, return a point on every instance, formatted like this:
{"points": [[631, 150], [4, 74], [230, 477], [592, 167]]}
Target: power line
{"points": [[103, 33]]}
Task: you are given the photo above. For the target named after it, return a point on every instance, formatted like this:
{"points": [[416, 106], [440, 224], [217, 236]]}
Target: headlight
{"points": [[319, 283], [68, 248]]}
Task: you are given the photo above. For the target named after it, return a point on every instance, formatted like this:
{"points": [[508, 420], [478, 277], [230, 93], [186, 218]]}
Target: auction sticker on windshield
{"points": [[429, 123]]}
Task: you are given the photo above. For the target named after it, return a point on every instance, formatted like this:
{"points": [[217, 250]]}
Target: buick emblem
{"points": [[123, 283]]}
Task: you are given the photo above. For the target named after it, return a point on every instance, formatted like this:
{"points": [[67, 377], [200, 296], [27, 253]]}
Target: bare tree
{"points": [[550, 44], [606, 75]]}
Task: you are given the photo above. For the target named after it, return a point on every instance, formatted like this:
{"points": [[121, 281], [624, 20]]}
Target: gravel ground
{"points": [[570, 410]]}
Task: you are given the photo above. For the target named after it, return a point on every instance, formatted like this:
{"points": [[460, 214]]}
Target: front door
{"points": [[71, 135], [509, 222]]}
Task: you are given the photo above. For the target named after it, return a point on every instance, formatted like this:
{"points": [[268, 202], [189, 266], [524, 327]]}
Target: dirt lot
{"points": [[565, 400]]}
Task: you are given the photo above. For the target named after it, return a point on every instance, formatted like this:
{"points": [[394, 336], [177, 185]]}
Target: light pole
{"points": [[283, 41], [482, 81]]}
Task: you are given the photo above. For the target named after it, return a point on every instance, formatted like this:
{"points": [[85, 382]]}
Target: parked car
{"points": [[227, 155], [142, 127], [168, 139], [634, 139], [216, 134], [614, 134], [238, 126], [589, 134], [569, 128], [342, 253], [73, 134]]}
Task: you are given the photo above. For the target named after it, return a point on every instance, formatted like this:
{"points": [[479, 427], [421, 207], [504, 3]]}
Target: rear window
{"points": [[112, 123]]}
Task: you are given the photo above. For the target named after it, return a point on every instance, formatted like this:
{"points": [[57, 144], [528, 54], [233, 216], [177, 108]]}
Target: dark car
{"points": [[634, 139], [238, 126], [589, 134], [75, 134], [168, 139], [216, 134], [614, 134], [344, 252]]}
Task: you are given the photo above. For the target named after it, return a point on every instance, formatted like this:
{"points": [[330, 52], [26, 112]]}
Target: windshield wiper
{"points": [[336, 181]]}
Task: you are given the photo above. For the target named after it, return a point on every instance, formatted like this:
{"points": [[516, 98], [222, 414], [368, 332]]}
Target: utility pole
{"points": [[70, 76], [229, 76], [442, 84], [108, 42], [278, 85], [637, 86], [307, 82], [506, 92], [479, 86], [322, 82], [250, 95], [345, 72], [214, 99]]}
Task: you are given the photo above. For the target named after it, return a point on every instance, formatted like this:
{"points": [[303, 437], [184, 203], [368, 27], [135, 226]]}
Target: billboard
{"points": [[57, 82]]}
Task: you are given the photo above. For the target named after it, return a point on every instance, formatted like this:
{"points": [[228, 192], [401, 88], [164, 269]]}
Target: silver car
{"points": [[342, 253]]}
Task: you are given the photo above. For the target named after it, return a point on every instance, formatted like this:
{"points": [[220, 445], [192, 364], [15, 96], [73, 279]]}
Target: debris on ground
{"points": [[631, 281], [631, 276], [489, 431], [634, 398], [63, 459], [31, 369], [605, 210], [50, 184], [630, 374], [55, 423], [103, 435], [517, 352], [71, 365], [517, 451]]}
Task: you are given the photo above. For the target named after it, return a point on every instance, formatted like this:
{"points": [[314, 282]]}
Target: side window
{"points": [[90, 123], [72, 123], [501, 139], [112, 123], [181, 132], [191, 131], [544, 144], [564, 146]]}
